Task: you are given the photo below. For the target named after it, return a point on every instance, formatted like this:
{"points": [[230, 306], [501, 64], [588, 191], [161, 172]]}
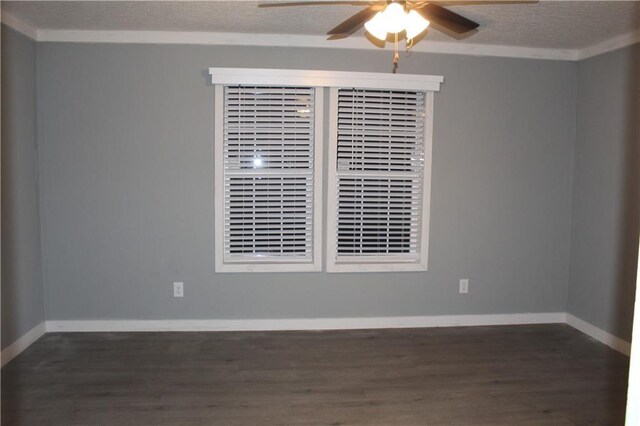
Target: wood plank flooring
{"points": [[505, 375]]}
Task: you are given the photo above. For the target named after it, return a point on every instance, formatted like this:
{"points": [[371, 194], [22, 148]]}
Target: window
{"points": [[268, 166], [379, 172], [268, 170]]}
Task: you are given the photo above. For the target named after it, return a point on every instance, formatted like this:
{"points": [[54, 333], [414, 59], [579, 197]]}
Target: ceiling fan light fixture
{"points": [[377, 26], [415, 24], [394, 19]]}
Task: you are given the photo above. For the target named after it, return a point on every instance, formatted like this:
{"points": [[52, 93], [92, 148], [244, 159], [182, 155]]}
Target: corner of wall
{"points": [[38, 141], [572, 166], [603, 256], [22, 283]]}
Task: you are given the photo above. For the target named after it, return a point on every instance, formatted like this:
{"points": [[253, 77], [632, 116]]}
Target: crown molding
{"points": [[297, 40], [495, 50], [309, 41], [20, 26], [609, 45]]}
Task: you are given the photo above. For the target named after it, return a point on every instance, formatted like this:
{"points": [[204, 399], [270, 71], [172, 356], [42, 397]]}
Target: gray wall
{"points": [[126, 164], [605, 208], [22, 296]]}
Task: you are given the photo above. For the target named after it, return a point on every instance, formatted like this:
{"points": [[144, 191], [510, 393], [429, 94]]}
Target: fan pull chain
{"points": [[396, 55]]}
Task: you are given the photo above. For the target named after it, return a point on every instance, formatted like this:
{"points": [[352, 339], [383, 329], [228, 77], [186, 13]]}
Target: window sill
{"points": [[376, 267]]}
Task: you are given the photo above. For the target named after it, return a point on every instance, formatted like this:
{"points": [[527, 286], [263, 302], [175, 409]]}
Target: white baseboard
{"points": [[599, 334], [304, 323], [14, 349], [38, 331]]}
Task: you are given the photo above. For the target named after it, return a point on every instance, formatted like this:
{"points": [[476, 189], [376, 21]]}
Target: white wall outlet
{"points": [[464, 286], [178, 289]]}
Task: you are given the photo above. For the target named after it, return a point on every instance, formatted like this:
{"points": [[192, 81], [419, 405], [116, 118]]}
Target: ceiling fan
{"points": [[399, 18]]}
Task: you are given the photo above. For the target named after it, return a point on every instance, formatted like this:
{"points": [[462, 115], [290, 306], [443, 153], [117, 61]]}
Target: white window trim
{"points": [[254, 265], [316, 78], [320, 79], [376, 263]]}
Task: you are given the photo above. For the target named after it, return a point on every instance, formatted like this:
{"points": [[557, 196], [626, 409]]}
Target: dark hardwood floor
{"points": [[506, 375]]}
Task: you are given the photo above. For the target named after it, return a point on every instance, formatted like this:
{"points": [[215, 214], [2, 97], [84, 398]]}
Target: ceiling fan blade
{"points": [[354, 22], [315, 3], [338, 36], [446, 18], [482, 2]]}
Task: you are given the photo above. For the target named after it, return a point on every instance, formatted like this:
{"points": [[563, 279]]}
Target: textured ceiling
{"points": [[547, 24]]}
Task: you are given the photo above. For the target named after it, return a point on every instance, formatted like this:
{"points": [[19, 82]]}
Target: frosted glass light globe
{"points": [[415, 24], [377, 27], [394, 17]]}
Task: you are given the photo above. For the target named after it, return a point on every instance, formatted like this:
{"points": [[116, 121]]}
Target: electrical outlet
{"points": [[464, 286], [178, 289]]}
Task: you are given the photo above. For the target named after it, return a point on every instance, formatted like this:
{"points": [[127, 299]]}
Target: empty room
{"points": [[320, 212]]}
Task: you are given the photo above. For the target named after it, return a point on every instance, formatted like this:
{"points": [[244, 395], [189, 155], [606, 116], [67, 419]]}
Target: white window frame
{"points": [[320, 79], [257, 265], [377, 263]]}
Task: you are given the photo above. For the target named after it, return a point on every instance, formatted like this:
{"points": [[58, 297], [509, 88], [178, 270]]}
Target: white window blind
{"points": [[269, 204], [378, 173]]}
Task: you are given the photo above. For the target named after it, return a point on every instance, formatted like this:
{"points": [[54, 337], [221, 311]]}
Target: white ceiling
{"points": [[546, 24]]}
